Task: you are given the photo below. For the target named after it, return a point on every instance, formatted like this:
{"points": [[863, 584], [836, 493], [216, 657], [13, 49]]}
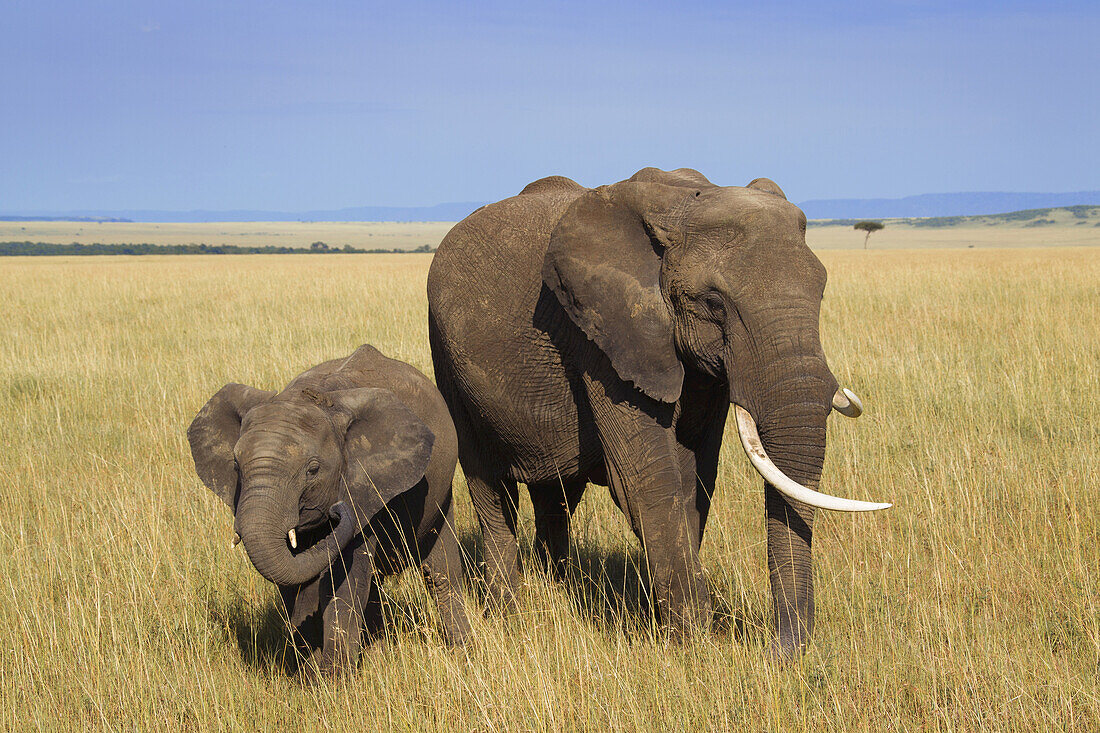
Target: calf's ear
{"points": [[214, 433], [386, 447]]}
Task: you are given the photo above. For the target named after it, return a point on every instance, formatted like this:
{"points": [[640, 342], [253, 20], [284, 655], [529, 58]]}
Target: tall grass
{"points": [[972, 605]]}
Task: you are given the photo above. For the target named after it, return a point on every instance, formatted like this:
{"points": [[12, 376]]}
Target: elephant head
{"points": [[291, 465], [667, 271]]}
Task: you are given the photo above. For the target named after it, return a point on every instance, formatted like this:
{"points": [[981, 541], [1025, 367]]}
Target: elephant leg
{"points": [[304, 604], [689, 476], [644, 470], [373, 615], [343, 625], [699, 431], [790, 567], [343, 617], [443, 575], [699, 468], [554, 504], [495, 502], [669, 535]]}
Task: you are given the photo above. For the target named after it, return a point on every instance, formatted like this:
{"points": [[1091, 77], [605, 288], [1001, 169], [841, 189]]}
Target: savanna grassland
{"points": [[973, 604], [1063, 226], [1073, 226], [335, 234]]}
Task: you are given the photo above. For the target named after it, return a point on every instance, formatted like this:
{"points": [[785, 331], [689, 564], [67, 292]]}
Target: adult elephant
{"points": [[600, 336]]}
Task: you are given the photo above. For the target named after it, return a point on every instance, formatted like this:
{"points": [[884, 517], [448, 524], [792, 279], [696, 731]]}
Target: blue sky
{"points": [[329, 104]]}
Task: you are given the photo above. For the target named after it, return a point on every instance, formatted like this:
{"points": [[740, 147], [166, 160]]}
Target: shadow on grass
{"points": [[262, 634], [609, 588], [266, 640]]}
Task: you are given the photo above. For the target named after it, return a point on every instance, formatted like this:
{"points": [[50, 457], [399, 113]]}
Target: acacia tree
{"points": [[869, 227]]}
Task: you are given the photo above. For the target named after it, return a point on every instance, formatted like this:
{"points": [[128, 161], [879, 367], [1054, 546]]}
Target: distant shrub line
{"points": [[47, 249], [1082, 211]]}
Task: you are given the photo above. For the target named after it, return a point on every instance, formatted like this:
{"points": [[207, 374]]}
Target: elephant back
{"points": [[486, 275], [552, 184]]}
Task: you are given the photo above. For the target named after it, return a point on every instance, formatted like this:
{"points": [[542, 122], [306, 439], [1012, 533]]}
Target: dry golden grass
{"points": [[972, 605], [359, 234], [907, 236]]}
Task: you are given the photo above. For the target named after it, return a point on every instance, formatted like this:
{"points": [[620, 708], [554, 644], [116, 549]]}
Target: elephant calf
{"points": [[340, 479]]}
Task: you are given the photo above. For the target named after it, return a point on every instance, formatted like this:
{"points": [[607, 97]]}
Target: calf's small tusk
{"points": [[235, 541], [754, 449], [846, 403], [293, 539]]}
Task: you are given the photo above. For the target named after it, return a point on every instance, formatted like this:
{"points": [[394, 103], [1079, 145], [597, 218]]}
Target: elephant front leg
{"points": [[443, 575], [554, 504], [699, 431], [668, 530], [343, 618], [305, 627], [343, 639], [645, 473]]}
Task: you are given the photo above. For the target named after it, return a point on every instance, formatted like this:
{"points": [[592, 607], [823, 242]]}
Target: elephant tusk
{"points": [[235, 541], [846, 403], [754, 449], [293, 537]]}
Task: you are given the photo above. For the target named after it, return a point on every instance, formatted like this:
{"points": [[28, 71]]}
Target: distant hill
{"points": [[924, 205], [439, 212], [943, 204]]}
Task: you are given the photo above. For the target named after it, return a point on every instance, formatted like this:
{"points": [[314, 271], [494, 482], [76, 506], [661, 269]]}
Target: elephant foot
{"points": [[320, 667], [500, 600], [781, 654], [554, 564], [685, 627], [788, 647], [683, 606]]}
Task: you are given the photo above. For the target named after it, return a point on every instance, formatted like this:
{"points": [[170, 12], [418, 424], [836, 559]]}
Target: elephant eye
{"points": [[715, 305], [313, 467]]}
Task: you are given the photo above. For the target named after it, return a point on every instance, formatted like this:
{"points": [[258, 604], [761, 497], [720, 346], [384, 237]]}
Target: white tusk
{"points": [[293, 539], [754, 449], [846, 403], [235, 541]]}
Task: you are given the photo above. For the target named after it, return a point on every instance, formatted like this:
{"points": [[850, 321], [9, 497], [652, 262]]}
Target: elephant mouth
{"points": [[313, 526]]}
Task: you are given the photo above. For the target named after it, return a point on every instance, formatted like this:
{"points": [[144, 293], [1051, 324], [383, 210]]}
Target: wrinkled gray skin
{"points": [[357, 456], [600, 336]]}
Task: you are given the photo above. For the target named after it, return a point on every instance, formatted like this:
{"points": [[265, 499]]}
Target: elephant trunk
{"points": [[786, 444], [262, 524], [794, 438]]}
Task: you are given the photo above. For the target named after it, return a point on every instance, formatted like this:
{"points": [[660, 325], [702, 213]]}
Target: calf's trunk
{"points": [[262, 524]]}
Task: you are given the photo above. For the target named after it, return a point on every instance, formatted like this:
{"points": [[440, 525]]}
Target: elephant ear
{"points": [[604, 266], [386, 447], [679, 177], [768, 186], [214, 433]]}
